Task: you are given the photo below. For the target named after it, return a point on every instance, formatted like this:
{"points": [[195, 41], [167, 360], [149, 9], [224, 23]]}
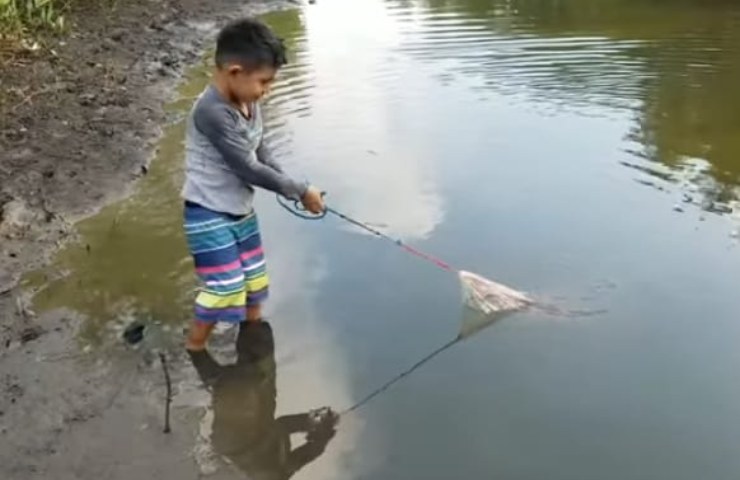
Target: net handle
{"points": [[297, 209]]}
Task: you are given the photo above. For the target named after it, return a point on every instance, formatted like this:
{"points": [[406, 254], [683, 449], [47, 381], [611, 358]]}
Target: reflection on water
{"points": [[245, 428], [356, 96], [372, 173], [514, 137], [670, 63]]}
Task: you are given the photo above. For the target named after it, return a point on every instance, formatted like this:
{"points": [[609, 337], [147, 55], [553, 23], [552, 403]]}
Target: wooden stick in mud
{"points": [[168, 400]]}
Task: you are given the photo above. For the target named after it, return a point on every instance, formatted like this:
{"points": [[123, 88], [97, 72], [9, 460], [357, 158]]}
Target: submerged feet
{"points": [[199, 331], [198, 335]]}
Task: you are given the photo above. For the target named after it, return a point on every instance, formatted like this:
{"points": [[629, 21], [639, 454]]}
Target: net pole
{"points": [[396, 241]]}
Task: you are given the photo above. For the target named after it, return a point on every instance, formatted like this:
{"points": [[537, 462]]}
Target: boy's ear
{"points": [[234, 69]]}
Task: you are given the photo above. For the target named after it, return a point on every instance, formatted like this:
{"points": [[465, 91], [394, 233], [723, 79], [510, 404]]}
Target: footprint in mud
{"points": [[134, 333]]}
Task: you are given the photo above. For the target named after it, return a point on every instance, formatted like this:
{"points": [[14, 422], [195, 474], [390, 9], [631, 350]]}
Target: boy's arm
{"points": [[264, 154], [218, 123]]}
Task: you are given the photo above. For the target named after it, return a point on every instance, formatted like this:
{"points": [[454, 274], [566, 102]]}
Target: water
{"points": [[585, 151]]}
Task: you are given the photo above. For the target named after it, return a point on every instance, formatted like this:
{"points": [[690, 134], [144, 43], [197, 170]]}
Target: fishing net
{"points": [[486, 301], [489, 297], [479, 293]]}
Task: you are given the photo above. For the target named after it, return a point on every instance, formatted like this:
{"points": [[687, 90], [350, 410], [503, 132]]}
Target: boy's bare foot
{"points": [[194, 347]]}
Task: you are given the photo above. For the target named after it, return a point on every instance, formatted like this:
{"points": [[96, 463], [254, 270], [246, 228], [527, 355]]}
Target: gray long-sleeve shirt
{"points": [[225, 158]]}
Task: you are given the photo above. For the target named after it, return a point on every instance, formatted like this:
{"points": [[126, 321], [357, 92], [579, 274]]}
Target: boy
{"points": [[225, 160]]}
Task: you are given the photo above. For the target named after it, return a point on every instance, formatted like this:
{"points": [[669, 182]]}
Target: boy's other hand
{"points": [[312, 200]]}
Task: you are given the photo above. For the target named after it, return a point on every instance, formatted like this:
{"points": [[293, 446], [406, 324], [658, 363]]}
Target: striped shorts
{"points": [[229, 261]]}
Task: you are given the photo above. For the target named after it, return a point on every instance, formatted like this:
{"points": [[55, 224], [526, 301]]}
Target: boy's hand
{"points": [[312, 200]]}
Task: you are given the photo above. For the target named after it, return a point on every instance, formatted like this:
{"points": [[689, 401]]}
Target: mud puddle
{"points": [[131, 263]]}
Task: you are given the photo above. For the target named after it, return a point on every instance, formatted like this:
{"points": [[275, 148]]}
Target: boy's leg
{"points": [[198, 334], [216, 256], [254, 313], [253, 263]]}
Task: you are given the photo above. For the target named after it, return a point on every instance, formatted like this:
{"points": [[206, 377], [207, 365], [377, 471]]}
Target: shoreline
{"points": [[79, 138]]}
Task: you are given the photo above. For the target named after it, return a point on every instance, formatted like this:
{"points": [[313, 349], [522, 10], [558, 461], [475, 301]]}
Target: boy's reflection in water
{"points": [[245, 429]]}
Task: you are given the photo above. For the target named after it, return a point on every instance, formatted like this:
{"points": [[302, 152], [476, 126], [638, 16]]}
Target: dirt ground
{"points": [[78, 121]]}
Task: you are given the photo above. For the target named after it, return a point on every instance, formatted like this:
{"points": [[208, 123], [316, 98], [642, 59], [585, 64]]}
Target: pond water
{"points": [[586, 151]]}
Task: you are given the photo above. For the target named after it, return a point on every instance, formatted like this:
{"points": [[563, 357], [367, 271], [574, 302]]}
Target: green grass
{"points": [[22, 18]]}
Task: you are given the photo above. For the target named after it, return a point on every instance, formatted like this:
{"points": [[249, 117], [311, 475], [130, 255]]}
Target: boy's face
{"points": [[250, 85]]}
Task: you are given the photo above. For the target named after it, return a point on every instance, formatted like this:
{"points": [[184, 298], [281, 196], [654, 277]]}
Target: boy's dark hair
{"points": [[251, 44]]}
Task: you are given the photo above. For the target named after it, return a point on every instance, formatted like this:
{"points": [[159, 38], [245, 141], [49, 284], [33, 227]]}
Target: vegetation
{"points": [[21, 18]]}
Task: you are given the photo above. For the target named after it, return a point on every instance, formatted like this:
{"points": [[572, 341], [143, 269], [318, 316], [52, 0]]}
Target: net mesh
{"points": [[487, 301], [489, 297]]}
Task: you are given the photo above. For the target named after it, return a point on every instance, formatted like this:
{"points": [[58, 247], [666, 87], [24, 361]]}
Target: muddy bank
{"points": [[71, 414], [66, 414], [79, 121], [79, 117]]}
